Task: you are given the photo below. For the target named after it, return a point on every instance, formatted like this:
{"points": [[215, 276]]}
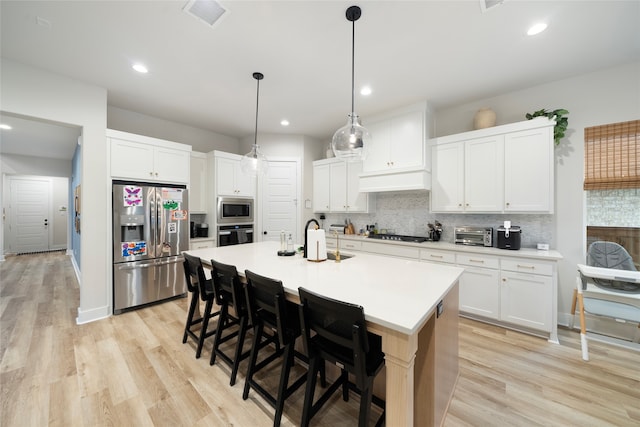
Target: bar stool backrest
{"points": [[266, 304]]}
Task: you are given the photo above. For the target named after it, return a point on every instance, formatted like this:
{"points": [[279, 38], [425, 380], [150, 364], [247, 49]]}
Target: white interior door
{"points": [[30, 209], [279, 194]]}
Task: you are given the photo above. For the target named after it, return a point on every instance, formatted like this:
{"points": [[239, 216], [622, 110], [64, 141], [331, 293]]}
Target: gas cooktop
{"points": [[399, 238]]}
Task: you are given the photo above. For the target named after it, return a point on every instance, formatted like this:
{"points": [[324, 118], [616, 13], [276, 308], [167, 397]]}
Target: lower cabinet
{"points": [[526, 297], [480, 285], [202, 244]]}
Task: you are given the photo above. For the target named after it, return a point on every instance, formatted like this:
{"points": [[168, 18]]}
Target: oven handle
{"points": [[224, 233]]}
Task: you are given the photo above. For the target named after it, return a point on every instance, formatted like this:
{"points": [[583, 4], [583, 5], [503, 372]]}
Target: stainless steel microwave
{"points": [[235, 210], [473, 236]]}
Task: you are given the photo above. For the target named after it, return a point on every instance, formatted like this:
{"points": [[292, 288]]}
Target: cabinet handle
{"points": [[151, 173], [477, 260], [156, 173], [459, 205], [504, 279], [467, 204], [436, 256], [532, 267], [507, 204]]}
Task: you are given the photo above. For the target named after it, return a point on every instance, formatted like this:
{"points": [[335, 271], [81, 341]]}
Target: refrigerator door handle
{"points": [[147, 264]]}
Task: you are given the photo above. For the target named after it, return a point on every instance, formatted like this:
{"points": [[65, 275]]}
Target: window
{"points": [[612, 184], [612, 156]]}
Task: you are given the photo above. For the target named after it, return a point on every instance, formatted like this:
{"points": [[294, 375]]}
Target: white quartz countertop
{"points": [[395, 293], [550, 255]]}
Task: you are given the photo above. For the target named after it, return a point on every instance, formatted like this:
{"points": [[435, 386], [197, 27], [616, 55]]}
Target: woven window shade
{"points": [[612, 156]]}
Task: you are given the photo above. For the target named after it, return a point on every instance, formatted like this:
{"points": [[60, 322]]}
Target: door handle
{"points": [[46, 222], [264, 232]]}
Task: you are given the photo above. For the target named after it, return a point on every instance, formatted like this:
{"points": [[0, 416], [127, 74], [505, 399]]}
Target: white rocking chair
{"points": [[609, 286]]}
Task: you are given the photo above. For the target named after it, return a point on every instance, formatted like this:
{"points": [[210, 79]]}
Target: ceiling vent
{"points": [[208, 11], [486, 5]]}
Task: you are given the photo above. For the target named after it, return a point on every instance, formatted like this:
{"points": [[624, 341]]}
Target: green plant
{"points": [[557, 115]]}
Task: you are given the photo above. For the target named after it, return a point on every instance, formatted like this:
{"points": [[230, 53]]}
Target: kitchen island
{"points": [[412, 305]]}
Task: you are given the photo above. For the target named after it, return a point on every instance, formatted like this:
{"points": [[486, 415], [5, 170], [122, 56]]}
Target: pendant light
{"points": [[255, 163], [350, 142]]}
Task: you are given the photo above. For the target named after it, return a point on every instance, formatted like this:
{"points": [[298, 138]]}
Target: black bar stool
{"points": [[341, 337], [194, 274], [229, 294], [268, 308]]}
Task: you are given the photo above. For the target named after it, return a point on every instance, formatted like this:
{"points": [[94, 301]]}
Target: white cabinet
{"points": [[437, 256], [321, 187], [335, 187], [230, 180], [529, 171], [479, 285], [526, 294], [468, 176], [397, 142], [397, 155], [507, 168], [198, 183], [148, 159], [202, 244]]}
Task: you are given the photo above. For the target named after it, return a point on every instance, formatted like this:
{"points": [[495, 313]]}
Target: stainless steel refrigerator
{"points": [[150, 231]]}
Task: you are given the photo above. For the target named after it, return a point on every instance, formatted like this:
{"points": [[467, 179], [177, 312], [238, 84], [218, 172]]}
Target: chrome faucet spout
{"points": [[306, 227]]}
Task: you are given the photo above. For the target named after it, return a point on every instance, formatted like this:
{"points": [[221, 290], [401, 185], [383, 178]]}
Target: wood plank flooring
{"points": [[133, 370]]}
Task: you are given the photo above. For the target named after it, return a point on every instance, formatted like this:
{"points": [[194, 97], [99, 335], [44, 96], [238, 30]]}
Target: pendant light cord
{"points": [[353, 65], [255, 141]]}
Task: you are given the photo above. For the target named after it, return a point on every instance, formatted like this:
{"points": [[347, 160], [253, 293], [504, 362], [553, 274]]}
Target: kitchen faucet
{"points": [[306, 227]]}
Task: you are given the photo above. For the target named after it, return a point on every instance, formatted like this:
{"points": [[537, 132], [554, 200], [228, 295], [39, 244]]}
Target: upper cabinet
{"points": [[502, 169], [397, 154], [198, 183], [230, 180], [335, 187], [148, 159]]}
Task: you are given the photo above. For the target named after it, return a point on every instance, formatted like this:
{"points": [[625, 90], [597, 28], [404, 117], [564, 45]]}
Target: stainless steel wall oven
{"points": [[235, 234]]}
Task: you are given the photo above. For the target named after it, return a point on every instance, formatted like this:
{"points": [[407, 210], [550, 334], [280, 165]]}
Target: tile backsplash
{"points": [[407, 212]]}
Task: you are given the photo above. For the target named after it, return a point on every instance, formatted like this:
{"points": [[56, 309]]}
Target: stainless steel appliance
{"points": [[509, 237], [235, 234], [473, 236], [399, 238], [150, 231], [234, 210]]}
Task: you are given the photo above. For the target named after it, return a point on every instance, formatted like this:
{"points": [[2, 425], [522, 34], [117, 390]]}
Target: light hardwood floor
{"points": [[133, 370]]}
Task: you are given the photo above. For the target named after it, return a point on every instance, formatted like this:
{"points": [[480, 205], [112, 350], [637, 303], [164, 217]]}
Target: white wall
{"points": [[606, 96], [40, 94], [200, 140], [14, 164]]}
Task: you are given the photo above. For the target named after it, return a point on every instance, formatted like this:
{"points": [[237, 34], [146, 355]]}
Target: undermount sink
{"points": [[332, 256]]}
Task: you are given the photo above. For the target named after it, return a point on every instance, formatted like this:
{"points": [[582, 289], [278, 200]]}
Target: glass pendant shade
{"points": [[254, 163], [350, 142]]}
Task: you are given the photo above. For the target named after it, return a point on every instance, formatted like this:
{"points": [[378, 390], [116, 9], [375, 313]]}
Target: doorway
{"points": [[280, 193], [37, 214]]}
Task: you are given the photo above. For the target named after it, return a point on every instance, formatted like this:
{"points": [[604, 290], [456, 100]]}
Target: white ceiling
{"points": [[446, 52]]}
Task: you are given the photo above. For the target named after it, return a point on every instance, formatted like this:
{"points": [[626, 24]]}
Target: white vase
{"points": [[484, 118], [330, 152]]}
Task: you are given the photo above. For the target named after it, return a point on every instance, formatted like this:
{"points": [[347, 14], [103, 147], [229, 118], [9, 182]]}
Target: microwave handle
{"points": [[224, 233]]}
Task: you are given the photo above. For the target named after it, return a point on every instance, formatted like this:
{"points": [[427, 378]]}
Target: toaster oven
{"points": [[474, 236]]}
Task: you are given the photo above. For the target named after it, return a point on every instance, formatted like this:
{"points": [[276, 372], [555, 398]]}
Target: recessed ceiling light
{"points": [[140, 68], [366, 90], [537, 29], [5, 127], [284, 122]]}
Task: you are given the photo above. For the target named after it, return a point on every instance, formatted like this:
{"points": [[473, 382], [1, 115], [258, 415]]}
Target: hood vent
{"points": [[208, 11]]}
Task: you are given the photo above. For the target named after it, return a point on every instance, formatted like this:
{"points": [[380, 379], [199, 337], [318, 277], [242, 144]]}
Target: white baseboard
{"points": [[92, 315]]}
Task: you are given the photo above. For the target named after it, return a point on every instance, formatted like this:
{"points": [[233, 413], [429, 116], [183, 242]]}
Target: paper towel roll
{"points": [[316, 245]]}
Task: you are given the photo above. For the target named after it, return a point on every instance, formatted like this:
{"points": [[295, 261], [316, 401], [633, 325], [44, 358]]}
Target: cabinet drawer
{"points": [[391, 250], [527, 266], [348, 244], [434, 255], [202, 244], [474, 260]]}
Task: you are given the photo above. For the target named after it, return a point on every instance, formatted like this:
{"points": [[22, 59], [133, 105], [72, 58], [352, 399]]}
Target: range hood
{"points": [[398, 180]]}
